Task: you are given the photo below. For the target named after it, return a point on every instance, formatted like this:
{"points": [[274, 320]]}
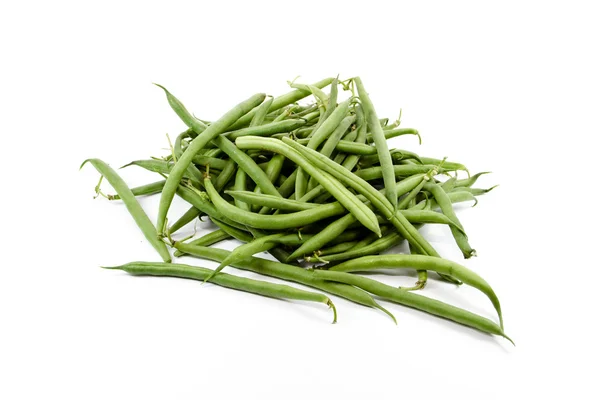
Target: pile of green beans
{"points": [[315, 184]]}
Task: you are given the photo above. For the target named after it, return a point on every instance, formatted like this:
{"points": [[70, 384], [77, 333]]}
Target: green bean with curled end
{"points": [[209, 239], [268, 289], [445, 205], [416, 301], [392, 133], [286, 272], [418, 261], [245, 162], [333, 186], [469, 181], [389, 178], [269, 129], [203, 138], [261, 112], [132, 205], [280, 102], [192, 122], [144, 190]]}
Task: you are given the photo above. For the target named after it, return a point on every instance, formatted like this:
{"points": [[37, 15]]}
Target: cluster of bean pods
{"points": [[314, 184]]}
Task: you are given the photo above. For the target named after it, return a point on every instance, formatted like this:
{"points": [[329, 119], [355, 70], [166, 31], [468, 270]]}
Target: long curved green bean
{"points": [[446, 267], [269, 201], [268, 289], [416, 301], [134, 208], [269, 129]]}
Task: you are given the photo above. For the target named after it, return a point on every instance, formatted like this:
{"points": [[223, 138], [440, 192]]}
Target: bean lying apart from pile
{"points": [[317, 187]]}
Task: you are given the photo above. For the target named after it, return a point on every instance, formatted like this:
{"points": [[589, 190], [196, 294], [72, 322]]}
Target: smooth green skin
{"points": [[286, 189], [185, 219], [474, 191], [318, 136], [203, 138], [280, 221], [192, 170], [418, 261], [247, 250], [331, 142], [333, 186], [447, 165], [336, 228], [272, 171], [413, 194], [280, 102], [201, 201], [234, 232], [371, 194], [286, 272], [245, 162], [449, 184], [469, 181], [455, 197], [269, 201], [416, 301], [195, 124], [225, 175], [144, 190], [392, 133], [445, 204], [268, 289], [267, 129], [212, 162], [241, 179], [338, 248], [134, 208], [369, 174], [376, 247], [207, 240], [261, 112], [385, 159]]}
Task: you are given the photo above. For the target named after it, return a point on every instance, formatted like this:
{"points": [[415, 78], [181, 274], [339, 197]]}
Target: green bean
{"points": [[474, 191], [201, 201], [446, 267], [134, 208], [234, 232], [245, 251], [272, 171], [212, 162], [225, 176], [240, 185], [337, 248], [267, 129], [185, 219], [144, 190], [389, 179], [261, 112], [376, 247], [204, 137], [447, 165], [339, 191], [268, 289], [270, 201], [449, 184], [279, 102], [246, 163], [281, 221], [392, 133], [286, 272], [373, 173], [421, 273], [318, 136], [416, 301], [469, 181], [192, 122], [207, 240], [445, 205]]}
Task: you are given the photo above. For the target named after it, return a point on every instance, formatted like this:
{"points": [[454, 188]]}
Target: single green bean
{"points": [[144, 190], [268, 289], [134, 208]]}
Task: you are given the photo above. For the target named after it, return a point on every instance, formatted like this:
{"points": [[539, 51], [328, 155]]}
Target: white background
{"points": [[510, 87]]}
